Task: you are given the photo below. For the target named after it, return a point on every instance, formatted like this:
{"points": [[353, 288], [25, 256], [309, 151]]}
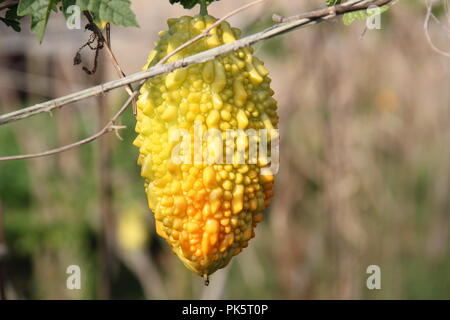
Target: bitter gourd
{"points": [[207, 212]]}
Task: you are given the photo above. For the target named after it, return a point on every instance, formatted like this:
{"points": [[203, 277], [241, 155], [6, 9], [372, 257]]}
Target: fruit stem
{"points": [[203, 8]]}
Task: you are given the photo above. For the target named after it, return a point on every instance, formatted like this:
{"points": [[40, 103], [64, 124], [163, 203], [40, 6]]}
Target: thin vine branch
{"points": [[110, 126], [426, 26], [111, 55], [157, 70], [306, 19], [208, 30], [346, 7]]}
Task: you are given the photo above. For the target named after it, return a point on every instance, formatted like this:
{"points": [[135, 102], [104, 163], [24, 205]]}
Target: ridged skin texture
{"points": [[206, 212]]}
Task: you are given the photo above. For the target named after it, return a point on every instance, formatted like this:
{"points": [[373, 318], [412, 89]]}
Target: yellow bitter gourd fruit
{"points": [[206, 212]]}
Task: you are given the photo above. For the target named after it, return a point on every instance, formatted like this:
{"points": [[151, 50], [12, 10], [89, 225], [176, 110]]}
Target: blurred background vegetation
{"points": [[364, 176]]}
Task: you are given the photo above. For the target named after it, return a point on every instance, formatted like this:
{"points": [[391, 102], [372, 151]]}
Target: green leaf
{"points": [[189, 4], [66, 4], [331, 3], [114, 11], [350, 17], [11, 19], [39, 10]]}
